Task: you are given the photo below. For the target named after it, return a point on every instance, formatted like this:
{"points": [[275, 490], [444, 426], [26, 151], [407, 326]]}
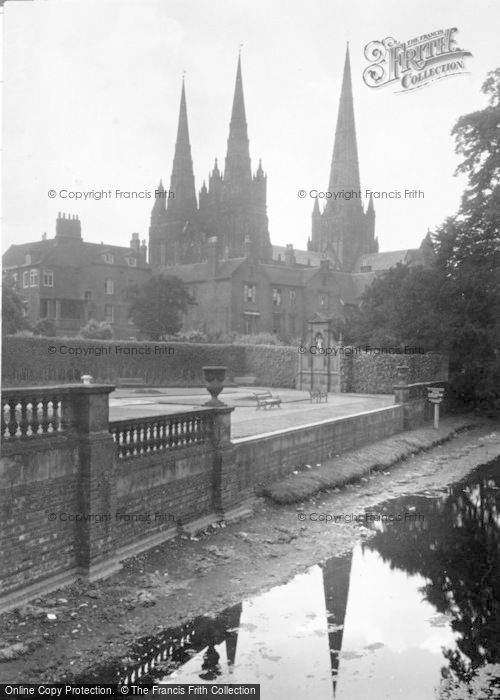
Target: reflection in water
{"points": [[410, 614]]}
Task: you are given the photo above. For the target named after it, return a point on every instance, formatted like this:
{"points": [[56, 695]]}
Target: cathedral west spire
{"points": [[237, 167]]}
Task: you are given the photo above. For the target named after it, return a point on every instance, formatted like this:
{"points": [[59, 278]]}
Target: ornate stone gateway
{"points": [[319, 358]]}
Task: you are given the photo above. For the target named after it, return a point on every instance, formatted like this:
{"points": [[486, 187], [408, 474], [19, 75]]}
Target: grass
{"points": [[353, 465]]}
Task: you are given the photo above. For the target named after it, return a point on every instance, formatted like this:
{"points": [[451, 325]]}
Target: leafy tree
{"points": [[453, 306], [13, 308], [157, 307]]}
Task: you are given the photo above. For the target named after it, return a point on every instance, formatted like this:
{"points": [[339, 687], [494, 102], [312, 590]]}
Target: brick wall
{"points": [[179, 486], [261, 460], [34, 483]]}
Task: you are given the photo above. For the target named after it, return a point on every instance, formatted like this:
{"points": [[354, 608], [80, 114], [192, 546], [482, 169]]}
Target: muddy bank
{"points": [[82, 627]]}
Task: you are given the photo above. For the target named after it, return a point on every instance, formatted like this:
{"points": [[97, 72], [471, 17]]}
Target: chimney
{"points": [[290, 260], [144, 250], [134, 242], [68, 227], [212, 256]]}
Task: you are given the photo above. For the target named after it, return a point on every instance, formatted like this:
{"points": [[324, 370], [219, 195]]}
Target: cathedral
{"points": [[218, 241]]}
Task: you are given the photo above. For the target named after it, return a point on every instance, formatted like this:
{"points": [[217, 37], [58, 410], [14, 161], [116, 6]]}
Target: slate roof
{"points": [[383, 261]]}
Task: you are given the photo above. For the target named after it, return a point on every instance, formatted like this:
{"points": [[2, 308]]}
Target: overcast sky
{"points": [[92, 88]]}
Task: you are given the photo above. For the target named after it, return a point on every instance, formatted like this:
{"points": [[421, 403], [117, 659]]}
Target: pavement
{"points": [[296, 409]]}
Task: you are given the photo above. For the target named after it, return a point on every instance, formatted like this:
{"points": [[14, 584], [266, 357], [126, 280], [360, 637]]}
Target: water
{"points": [[410, 613]]}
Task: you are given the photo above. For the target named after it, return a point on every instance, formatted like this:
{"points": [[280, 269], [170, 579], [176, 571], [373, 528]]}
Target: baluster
{"points": [[45, 420], [12, 424], [23, 421], [4, 422], [35, 422]]}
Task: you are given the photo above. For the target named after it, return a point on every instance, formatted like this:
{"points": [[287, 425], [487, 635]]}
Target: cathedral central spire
{"points": [[344, 172], [238, 153]]}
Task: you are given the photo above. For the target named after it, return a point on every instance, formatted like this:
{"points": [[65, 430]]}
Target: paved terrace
{"points": [[296, 409]]}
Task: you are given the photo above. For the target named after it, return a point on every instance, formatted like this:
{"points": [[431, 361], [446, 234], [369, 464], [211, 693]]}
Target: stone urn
{"points": [[214, 379]]}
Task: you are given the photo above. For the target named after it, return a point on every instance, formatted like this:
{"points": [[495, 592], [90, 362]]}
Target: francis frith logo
{"points": [[414, 63]]}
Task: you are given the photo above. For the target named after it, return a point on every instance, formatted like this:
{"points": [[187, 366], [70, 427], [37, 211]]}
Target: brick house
{"points": [[71, 281]]}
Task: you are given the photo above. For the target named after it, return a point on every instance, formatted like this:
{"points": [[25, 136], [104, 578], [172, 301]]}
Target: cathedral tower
{"points": [[233, 208], [343, 231]]}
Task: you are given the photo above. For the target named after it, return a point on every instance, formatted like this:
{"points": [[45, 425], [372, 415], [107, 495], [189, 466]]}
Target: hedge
{"points": [[32, 361]]}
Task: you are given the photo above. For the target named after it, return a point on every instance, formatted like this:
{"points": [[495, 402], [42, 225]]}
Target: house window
{"points": [[109, 286], [109, 313], [26, 278], [109, 258], [33, 278], [87, 295], [131, 262], [276, 296], [323, 299], [48, 278], [293, 296], [250, 293], [250, 323]]}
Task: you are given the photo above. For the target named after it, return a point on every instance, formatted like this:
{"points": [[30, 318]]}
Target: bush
{"points": [[98, 330], [46, 327]]}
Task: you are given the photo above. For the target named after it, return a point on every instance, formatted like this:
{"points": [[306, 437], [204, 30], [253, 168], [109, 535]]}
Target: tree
{"points": [[157, 307], [454, 306], [13, 308]]}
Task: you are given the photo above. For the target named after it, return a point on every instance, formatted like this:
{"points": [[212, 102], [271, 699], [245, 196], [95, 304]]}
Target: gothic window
{"points": [[250, 293], [48, 278], [276, 296], [33, 278], [109, 286]]}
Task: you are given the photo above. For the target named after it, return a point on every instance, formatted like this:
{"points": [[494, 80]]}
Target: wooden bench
{"points": [[267, 400], [318, 394], [246, 381], [126, 382]]}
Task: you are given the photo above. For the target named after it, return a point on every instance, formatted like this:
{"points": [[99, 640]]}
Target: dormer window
{"points": [[109, 258]]}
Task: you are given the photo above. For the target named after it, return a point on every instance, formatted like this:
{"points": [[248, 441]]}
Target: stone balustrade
{"points": [[144, 436]]}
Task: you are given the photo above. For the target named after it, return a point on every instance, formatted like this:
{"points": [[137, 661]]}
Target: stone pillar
{"points": [[224, 482], [87, 420], [401, 389]]}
